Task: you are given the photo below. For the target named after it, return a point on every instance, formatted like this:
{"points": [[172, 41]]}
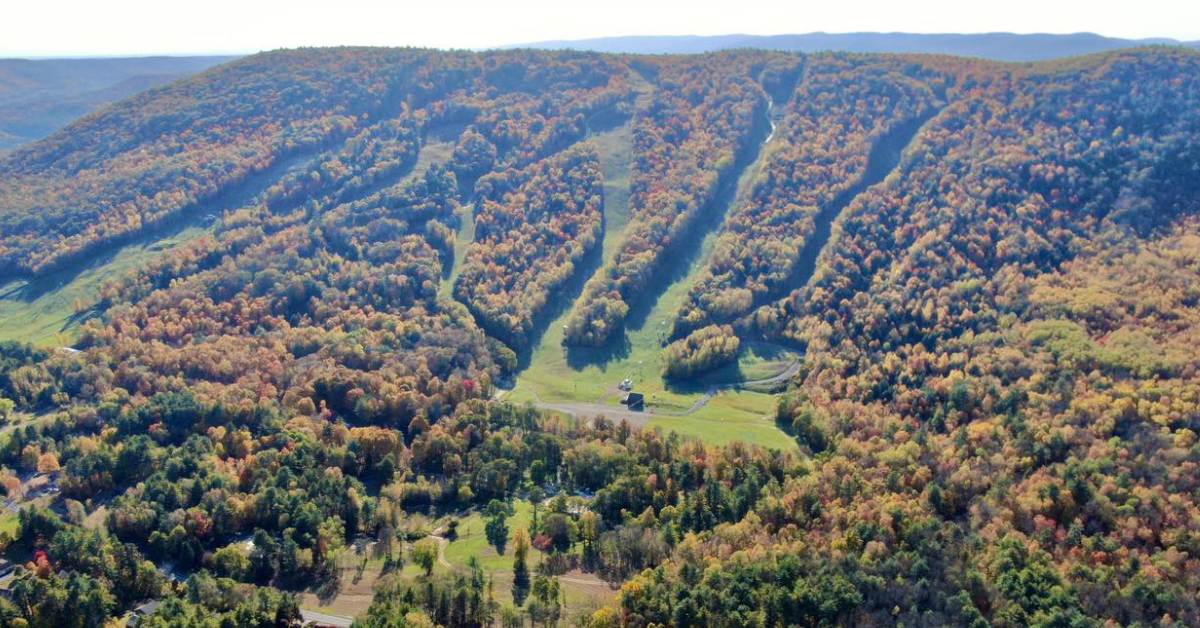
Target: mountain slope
{"points": [[38, 97], [978, 279]]}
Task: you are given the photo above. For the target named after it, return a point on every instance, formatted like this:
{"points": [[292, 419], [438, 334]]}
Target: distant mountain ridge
{"points": [[996, 46], [38, 97]]}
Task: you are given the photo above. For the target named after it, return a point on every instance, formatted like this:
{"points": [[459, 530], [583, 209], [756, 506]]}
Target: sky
{"points": [[39, 28]]}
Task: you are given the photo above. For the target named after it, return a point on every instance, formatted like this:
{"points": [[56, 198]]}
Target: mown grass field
{"points": [[9, 524]]}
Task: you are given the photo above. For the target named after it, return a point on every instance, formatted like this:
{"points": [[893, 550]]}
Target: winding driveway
{"points": [[442, 543], [716, 389]]}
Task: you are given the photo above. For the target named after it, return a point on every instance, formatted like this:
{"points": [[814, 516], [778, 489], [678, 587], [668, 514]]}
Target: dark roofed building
{"points": [[635, 401], [142, 611]]}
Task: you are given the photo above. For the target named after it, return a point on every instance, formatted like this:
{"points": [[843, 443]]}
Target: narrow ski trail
{"points": [[682, 266], [559, 375], [464, 236], [884, 159]]}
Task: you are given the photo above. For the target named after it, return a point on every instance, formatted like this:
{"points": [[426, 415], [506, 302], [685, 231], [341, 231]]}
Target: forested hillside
{"points": [[701, 120], [843, 109], [39, 97], [989, 275]]}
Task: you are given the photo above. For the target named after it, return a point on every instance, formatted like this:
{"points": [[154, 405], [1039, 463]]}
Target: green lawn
{"points": [[759, 361], [732, 416], [472, 541], [9, 524]]}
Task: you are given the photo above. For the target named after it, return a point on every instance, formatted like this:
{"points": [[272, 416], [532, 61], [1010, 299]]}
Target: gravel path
{"points": [[442, 543]]}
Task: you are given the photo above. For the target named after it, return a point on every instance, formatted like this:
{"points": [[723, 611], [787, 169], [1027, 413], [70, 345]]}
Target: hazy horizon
{"points": [[126, 28], [239, 53]]}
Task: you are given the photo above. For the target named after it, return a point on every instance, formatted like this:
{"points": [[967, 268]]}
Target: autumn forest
{"points": [[956, 303]]}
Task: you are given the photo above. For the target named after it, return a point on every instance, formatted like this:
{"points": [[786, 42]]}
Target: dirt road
{"points": [[442, 543]]}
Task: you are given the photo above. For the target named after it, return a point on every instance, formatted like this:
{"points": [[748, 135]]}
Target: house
{"points": [[142, 611], [42, 484], [148, 608], [635, 401]]}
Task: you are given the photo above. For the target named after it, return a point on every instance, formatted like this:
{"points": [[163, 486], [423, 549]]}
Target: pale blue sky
{"points": [[123, 27]]}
